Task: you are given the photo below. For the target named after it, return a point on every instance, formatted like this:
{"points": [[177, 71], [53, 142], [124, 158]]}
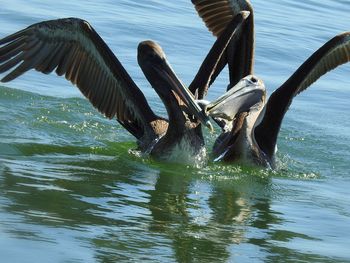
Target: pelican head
{"points": [[249, 94], [163, 79]]}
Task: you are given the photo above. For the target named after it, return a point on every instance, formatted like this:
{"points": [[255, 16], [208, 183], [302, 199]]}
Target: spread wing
{"points": [[231, 34], [332, 54], [74, 49], [240, 54], [217, 14]]}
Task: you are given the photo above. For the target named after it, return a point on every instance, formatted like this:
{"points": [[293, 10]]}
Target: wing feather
{"points": [[12, 49], [239, 55], [331, 55], [74, 49], [217, 14], [206, 72]]}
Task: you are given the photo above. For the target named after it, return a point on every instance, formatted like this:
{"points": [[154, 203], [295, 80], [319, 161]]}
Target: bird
{"points": [[72, 48], [250, 122]]}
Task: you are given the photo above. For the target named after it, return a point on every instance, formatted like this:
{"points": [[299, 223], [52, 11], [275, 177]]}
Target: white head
{"points": [[247, 95]]}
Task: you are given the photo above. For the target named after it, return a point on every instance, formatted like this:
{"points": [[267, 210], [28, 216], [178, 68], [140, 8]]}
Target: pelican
{"points": [[251, 123], [73, 48]]}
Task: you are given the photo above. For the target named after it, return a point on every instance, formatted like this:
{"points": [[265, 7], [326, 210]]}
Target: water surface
{"points": [[72, 192]]}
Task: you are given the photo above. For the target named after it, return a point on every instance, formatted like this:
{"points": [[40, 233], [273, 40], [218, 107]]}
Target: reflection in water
{"points": [[83, 193], [170, 204], [68, 192], [223, 217], [143, 212]]}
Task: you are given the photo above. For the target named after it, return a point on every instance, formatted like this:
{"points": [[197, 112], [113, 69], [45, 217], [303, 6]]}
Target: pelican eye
{"points": [[254, 79]]}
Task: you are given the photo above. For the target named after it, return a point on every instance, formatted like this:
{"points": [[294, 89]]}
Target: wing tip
{"points": [[13, 36]]}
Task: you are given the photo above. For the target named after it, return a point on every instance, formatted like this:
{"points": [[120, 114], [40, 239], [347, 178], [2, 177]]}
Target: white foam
{"points": [[184, 153]]}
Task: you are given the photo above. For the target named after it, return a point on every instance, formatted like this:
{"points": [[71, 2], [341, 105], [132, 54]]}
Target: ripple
{"points": [[72, 191]]}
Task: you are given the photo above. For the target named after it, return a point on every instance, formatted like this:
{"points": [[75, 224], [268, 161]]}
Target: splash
{"points": [[184, 153], [287, 167]]}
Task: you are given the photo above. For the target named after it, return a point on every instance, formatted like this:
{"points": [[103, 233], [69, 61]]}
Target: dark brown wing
{"points": [[240, 54], [217, 14], [74, 49], [334, 53], [231, 34]]}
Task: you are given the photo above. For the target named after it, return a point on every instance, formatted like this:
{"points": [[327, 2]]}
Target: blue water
{"points": [[70, 190]]}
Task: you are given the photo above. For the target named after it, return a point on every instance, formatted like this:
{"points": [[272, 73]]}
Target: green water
{"points": [[72, 190]]}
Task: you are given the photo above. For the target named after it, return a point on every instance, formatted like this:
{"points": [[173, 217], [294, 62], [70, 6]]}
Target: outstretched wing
{"points": [[240, 54], [231, 34], [217, 14], [74, 49], [332, 54]]}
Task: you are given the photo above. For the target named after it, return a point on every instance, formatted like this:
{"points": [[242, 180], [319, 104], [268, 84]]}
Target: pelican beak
{"points": [[248, 92], [185, 95]]}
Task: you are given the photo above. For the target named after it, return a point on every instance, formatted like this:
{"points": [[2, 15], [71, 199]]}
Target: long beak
{"points": [[185, 95], [244, 95]]}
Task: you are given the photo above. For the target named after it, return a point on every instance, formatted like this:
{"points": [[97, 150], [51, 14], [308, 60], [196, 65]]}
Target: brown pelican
{"points": [[250, 124], [72, 48]]}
